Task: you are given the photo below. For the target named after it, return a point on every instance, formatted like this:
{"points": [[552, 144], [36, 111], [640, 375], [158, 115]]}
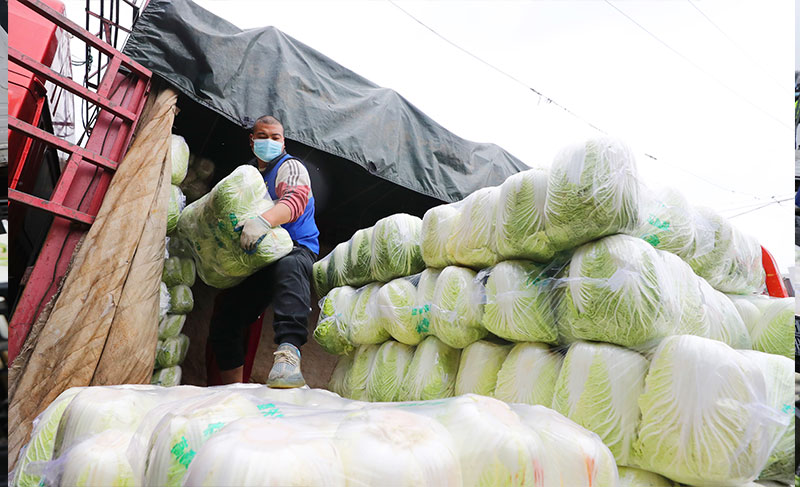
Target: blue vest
{"points": [[303, 230]]}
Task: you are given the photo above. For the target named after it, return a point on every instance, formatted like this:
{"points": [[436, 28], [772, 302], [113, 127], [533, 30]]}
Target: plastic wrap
{"points": [[332, 331], [168, 377], [171, 351], [181, 300], [170, 326], [432, 372], [163, 300], [179, 150], [519, 302], [178, 270], [320, 273], [210, 225], [398, 312], [520, 217], [437, 226], [779, 380], [478, 367], [616, 290], [396, 247], [528, 375], [593, 191], [769, 322], [359, 256], [472, 241], [177, 202], [365, 325], [249, 435], [669, 223], [337, 265], [388, 371], [456, 311], [355, 382], [426, 288], [598, 388], [42, 441], [338, 381], [634, 477], [178, 247], [724, 322], [705, 415]]}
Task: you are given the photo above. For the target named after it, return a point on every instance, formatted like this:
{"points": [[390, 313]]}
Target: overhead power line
{"points": [[740, 48], [548, 99], [698, 67], [776, 202]]}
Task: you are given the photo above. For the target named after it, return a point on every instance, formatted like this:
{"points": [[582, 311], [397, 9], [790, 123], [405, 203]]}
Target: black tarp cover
{"points": [[243, 74]]}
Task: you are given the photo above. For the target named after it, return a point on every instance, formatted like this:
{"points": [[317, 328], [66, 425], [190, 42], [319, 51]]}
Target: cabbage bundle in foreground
{"points": [[210, 226], [769, 321], [247, 435]]}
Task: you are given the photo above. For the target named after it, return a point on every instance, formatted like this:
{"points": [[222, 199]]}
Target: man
{"points": [[284, 283]]}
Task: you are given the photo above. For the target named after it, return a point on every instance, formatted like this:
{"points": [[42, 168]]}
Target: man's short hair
{"points": [[266, 120]]}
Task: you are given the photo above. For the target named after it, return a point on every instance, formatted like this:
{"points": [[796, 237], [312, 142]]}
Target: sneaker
{"points": [[285, 373]]}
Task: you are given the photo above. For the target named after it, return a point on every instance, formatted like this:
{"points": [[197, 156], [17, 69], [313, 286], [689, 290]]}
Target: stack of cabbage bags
{"points": [[179, 156], [380, 253], [211, 227], [177, 279], [692, 409], [249, 435]]}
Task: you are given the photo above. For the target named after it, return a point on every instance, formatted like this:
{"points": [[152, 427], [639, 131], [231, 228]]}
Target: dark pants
{"points": [[286, 285]]}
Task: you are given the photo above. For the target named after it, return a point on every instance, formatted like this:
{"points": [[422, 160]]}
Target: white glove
{"points": [[253, 231]]}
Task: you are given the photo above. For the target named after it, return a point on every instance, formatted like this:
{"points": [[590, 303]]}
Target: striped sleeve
{"points": [[293, 187]]}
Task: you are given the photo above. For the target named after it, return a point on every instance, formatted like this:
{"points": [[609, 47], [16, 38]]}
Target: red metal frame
{"points": [[83, 183], [775, 286]]}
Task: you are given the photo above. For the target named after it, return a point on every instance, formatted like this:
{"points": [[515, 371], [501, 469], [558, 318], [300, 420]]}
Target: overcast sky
{"points": [[703, 86]]}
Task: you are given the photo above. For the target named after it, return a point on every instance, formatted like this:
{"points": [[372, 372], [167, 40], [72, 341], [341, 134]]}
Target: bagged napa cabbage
{"points": [[598, 388], [668, 222], [168, 377], [519, 304], [359, 256], [634, 477], [705, 414], [332, 332], [437, 226], [528, 375], [593, 191], [492, 444], [163, 300], [398, 448], [98, 460], [472, 241], [426, 288], [337, 265], [478, 367], [520, 228], [320, 272], [170, 326], [179, 152], [432, 372], [175, 437], [181, 300], [42, 441], [355, 382], [724, 323], [396, 247], [178, 270], [779, 376], [617, 290], [456, 311], [177, 202], [171, 351], [365, 325], [252, 452], [389, 371], [745, 271], [338, 381], [397, 311], [769, 322], [573, 455], [212, 227]]}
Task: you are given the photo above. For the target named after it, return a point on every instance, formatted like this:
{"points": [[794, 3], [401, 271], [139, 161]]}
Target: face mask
{"points": [[267, 149]]}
